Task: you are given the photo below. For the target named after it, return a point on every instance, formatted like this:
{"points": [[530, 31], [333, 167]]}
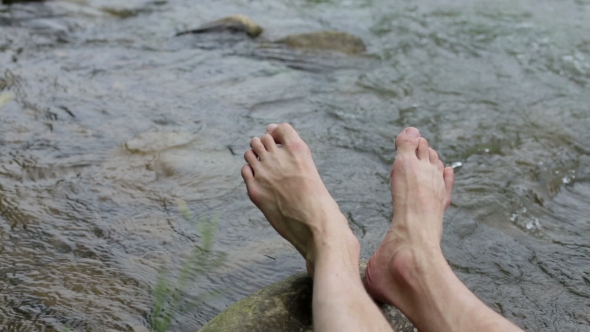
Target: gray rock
{"points": [[233, 23], [159, 140], [335, 41], [322, 41], [285, 307]]}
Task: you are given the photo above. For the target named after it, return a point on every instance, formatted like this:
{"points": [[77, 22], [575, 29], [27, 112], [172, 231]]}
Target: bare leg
{"points": [[285, 185], [409, 270]]}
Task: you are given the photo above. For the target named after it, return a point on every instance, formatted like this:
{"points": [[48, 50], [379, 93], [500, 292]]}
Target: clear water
{"points": [[500, 88]]}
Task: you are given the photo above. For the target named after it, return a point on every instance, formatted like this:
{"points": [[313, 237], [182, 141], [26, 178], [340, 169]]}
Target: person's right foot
{"points": [[285, 185], [421, 191]]}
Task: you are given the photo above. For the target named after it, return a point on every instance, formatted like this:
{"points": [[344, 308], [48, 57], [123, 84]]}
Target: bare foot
{"points": [[285, 185], [421, 190]]}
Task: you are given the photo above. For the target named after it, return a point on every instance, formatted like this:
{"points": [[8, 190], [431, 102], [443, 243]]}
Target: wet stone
{"points": [[234, 23], [286, 307], [335, 41], [170, 165], [123, 9], [201, 170], [156, 141]]}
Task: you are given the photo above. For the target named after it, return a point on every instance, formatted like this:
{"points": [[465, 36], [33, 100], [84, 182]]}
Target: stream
{"points": [[109, 124]]}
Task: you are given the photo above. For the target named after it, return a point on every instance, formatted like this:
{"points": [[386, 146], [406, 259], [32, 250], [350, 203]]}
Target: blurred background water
{"points": [[107, 120]]}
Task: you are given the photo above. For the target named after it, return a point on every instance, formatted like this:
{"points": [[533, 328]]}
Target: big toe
{"points": [[271, 127], [284, 134], [407, 140]]}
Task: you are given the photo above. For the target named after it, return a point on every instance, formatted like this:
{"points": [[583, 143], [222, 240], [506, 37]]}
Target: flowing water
{"points": [[108, 120]]}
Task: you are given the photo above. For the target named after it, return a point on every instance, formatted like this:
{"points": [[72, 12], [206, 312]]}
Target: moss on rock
{"points": [[285, 307], [335, 41]]}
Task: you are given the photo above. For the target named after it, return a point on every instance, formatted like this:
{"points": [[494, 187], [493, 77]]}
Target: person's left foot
{"points": [[285, 185], [421, 192]]}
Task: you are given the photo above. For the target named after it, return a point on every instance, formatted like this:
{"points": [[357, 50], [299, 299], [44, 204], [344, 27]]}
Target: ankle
{"points": [[413, 269], [336, 242], [335, 245]]}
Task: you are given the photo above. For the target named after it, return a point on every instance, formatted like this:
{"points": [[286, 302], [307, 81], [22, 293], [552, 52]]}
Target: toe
{"points": [[251, 158], [258, 147], [285, 134], [441, 166], [251, 185], [433, 156], [449, 178], [271, 127], [268, 142], [247, 174], [407, 140], [423, 152]]}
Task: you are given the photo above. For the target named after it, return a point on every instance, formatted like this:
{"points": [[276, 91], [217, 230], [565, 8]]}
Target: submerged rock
{"points": [[336, 41], [314, 51], [234, 23], [174, 164], [326, 41], [156, 141], [285, 307]]}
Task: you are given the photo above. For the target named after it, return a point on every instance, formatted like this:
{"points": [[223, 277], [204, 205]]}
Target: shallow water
{"points": [[107, 121]]}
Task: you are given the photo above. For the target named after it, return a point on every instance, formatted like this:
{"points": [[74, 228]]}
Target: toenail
{"points": [[413, 132]]}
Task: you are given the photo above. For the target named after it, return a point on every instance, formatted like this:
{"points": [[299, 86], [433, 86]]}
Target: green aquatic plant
{"points": [[168, 293]]}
